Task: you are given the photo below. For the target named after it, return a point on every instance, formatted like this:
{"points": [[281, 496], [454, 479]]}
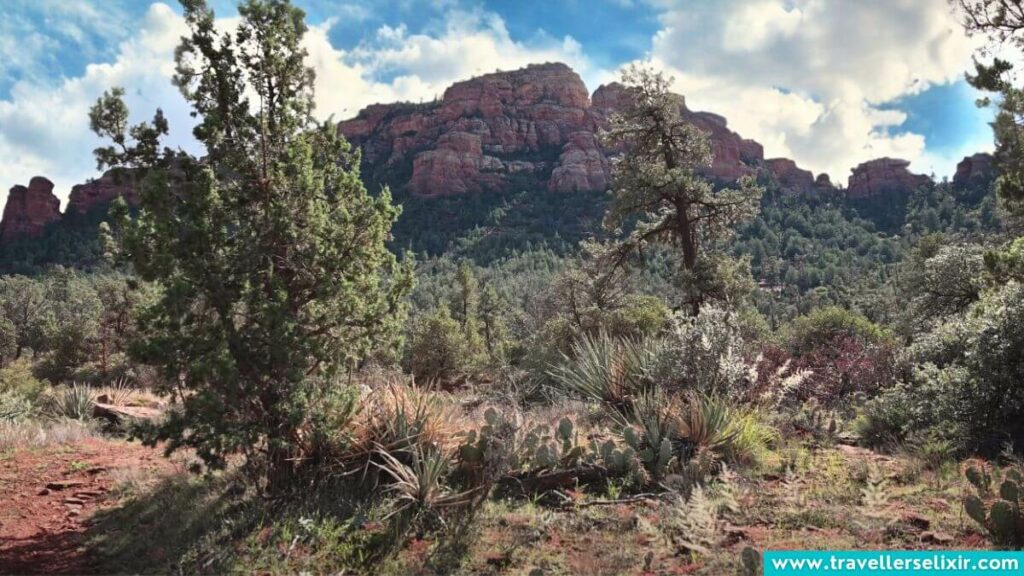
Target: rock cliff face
{"points": [[29, 210], [528, 127], [792, 177], [973, 169], [881, 176], [535, 127], [99, 193]]}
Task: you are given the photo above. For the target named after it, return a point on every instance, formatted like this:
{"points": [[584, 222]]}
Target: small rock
{"points": [[64, 484], [96, 470], [936, 538], [74, 501], [916, 520], [74, 512], [43, 492]]}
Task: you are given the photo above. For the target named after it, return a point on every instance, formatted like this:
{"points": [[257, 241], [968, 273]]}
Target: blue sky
{"points": [[829, 83]]}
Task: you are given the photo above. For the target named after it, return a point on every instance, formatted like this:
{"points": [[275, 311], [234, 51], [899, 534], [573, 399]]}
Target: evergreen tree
{"points": [[658, 179], [466, 306], [269, 253], [1003, 23]]}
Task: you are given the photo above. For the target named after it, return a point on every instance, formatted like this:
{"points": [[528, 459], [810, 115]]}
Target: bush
{"points": [[439, 350], [842, 352], [17, 378], [932, 403], [703, 354]]}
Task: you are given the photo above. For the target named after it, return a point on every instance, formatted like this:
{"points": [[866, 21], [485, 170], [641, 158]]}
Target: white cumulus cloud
{"points": [[807, 78], [44, 128]]}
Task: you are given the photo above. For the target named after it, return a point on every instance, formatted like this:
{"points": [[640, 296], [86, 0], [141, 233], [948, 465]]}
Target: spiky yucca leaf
{"points": [[606, 369], [421, 482]]}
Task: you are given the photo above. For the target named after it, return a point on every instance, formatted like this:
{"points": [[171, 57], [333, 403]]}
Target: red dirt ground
{"points": [[42, 530]]}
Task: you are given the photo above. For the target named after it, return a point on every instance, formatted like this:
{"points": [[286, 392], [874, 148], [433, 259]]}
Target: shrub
{"points": [[964, 385], [17, 378], [931, 402], [14, 407], [843, 353], [703, 354], [439, 350]]}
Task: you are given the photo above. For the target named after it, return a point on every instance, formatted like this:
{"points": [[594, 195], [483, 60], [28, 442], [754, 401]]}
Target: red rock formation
{"points": [[581, 167], [882, 176], [533, 127], [100, 192], [789, 175], [29, 210], [823, 183], [975, 168]]}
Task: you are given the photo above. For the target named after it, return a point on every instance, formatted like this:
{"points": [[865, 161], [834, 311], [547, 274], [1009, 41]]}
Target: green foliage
{"points": [[826, 325], [964, 386], [704, 353], [657, 180], [270, 254], [439, 349], [842, 353]]}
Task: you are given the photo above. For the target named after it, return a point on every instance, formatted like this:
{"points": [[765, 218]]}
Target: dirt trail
{"points": [[48, 495]]}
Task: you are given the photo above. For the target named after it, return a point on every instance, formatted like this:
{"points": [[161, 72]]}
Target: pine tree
{"points": [[1003, 23], [658, 179], [269, 253]]}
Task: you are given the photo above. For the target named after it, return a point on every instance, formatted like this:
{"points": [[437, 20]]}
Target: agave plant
{"points": [[607, 369]]}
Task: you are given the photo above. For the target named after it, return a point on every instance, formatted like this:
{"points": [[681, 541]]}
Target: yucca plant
{"points": [[401, 417], [707, 422], [74, 402], [606, 369], [420, 483]]}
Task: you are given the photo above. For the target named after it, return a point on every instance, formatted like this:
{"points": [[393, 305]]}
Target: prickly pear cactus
{"points": [[751, 560], [1002, 517]]}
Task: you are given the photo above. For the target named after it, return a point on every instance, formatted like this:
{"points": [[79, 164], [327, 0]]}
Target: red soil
{"points": [[48, 495]]}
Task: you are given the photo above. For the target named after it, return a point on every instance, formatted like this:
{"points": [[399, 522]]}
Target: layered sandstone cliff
{"points": [[883, 176], [29, 210], [535, 127]]}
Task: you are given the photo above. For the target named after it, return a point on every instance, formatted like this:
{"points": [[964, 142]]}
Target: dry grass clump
{"points": [[42, 434], [399, 417]]}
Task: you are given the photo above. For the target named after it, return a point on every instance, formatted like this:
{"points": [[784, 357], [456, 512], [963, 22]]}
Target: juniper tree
{"points": [[658, 181], [1002, 21], [269, 253]]}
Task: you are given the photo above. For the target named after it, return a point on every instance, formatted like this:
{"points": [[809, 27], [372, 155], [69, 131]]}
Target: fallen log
{"points": [[116, 414], [533, 482]]}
